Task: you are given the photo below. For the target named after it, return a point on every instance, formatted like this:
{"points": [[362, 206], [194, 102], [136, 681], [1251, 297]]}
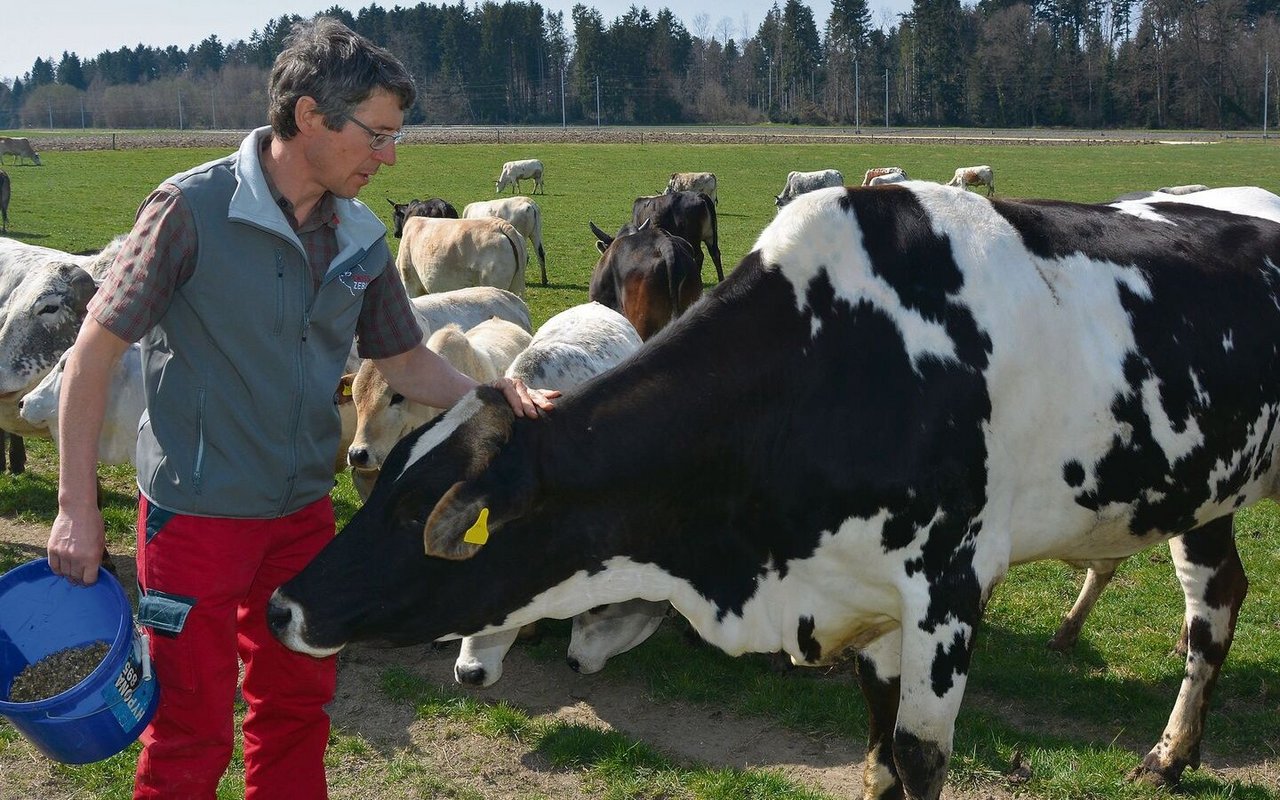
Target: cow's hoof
{"points": [[1152, 774]]}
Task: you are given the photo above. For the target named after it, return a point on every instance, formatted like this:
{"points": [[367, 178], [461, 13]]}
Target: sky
{"points": [[88, 27]]}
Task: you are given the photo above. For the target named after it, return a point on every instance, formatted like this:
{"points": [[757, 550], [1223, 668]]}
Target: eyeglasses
{"points": [[379, 140]]}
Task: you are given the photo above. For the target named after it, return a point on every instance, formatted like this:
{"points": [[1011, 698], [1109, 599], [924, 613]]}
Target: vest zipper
{"points": [[279, 292], [197, 472]]}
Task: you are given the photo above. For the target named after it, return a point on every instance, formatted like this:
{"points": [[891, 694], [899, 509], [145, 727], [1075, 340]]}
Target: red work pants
{"points": [[205, 584]]}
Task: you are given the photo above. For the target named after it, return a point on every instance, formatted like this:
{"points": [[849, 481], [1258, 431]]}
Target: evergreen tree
{"points": [[70, 72]]}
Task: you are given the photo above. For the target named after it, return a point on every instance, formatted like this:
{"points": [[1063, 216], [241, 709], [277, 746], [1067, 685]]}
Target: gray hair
{"points": [[327, 61]]}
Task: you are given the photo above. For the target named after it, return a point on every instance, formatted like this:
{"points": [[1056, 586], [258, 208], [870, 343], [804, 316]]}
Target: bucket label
{"points": [[129, 695]]}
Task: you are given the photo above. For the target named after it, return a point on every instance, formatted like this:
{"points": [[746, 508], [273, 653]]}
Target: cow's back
{"points": [[439, 255], [1101, 379]]}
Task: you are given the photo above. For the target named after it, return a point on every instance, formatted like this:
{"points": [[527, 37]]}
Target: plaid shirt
{"points": [[160, 254]]}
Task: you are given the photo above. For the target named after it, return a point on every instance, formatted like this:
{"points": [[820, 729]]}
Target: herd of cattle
{"points": [[902, 391]]}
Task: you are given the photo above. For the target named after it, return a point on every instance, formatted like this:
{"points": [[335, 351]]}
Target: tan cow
{"points": [[437, 255], [704, 182], [384, 417], [20, 147], [975, 176], [523, 214]]}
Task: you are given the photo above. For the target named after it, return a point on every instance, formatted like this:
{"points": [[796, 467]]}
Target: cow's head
{"points": [[39, 321], [394, 562], [434, 207]]}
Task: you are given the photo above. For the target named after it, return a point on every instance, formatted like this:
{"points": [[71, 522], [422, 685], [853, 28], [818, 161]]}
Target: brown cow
{"points": [[646, 275], [689, 215], [975, 176]]}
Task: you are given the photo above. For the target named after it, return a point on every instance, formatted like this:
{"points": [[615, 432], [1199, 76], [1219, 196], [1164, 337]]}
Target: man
{"points": [[246, 280]]}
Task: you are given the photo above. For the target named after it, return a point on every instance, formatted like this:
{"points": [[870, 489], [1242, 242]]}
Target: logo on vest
{"points": [[355, 281]]}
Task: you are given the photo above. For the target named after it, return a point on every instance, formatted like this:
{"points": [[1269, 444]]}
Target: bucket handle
{"points": [[142, 650]]}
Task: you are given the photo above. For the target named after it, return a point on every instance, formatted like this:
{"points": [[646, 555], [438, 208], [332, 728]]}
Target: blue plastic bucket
{"points": [[42, 613]]}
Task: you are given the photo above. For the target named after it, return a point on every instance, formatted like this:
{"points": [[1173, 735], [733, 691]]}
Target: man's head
{"points": [[338, 68]]}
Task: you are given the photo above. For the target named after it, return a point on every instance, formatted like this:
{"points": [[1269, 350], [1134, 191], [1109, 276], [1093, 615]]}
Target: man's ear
{"points": [[307, 116]]}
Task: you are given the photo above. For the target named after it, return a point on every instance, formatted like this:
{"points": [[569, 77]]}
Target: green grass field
{"points": [[1083, 720]]}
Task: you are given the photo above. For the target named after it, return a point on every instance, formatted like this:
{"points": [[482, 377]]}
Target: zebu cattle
{"points": [[437, 255], [646, 274], [799, 183], [43, 296], [689, 215], [5, 191], [383, 416], [974, 176], [19, 147], [885, 174], [118, 440], [523, 214], [433, 207], [704, 182], [899, 393], [515, 171], [571, 347]]}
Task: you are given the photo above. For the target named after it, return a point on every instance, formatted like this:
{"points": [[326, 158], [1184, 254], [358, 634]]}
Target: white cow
{"points": [[118, 441], [437, 255], [383, 416], [975, 176], [704, 182], [515, 171], [523, 214], [1189, 188], [20, 147], [799, 183], [574, 345]]}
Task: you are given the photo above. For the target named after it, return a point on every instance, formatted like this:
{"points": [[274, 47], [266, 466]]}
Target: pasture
{"points": [[1034, 723]]}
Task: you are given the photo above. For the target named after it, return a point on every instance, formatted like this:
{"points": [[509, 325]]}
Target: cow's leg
{"points": [[714, 249], [878, 675], [1099, 575], [17, 454], [937, 644], [1214, 586]]}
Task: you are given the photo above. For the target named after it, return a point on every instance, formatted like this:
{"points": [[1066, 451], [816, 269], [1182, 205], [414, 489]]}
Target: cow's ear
{"points": [[343, 394], [82, 288], [458, 526]]}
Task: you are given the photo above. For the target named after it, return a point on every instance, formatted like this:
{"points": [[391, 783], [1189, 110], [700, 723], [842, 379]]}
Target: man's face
{"points": [[344, 160]]}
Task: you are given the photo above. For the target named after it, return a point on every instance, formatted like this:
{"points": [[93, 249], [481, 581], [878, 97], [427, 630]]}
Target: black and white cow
{"points": [[849, 442]]}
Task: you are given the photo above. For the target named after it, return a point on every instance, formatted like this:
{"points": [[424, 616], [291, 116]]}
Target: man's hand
{"points": [[524, 401], [75, 546]]}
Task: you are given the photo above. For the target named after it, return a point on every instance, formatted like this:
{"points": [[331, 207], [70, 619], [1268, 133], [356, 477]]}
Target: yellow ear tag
{"points": [[346, 390], [478, 534]]}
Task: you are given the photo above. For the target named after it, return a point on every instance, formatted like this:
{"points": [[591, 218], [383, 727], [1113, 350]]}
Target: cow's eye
{"points": [[49, 308], [396, 399]]}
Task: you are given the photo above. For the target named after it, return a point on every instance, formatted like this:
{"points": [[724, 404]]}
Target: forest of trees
{"points": [[1001, 63]]}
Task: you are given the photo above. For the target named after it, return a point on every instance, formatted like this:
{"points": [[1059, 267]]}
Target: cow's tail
{"points": [[713, 246], [516, 240], [537, 241], [677, 278]]}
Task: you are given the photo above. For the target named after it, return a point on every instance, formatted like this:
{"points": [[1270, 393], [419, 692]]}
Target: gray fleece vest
{"points": [[240, 371]]}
